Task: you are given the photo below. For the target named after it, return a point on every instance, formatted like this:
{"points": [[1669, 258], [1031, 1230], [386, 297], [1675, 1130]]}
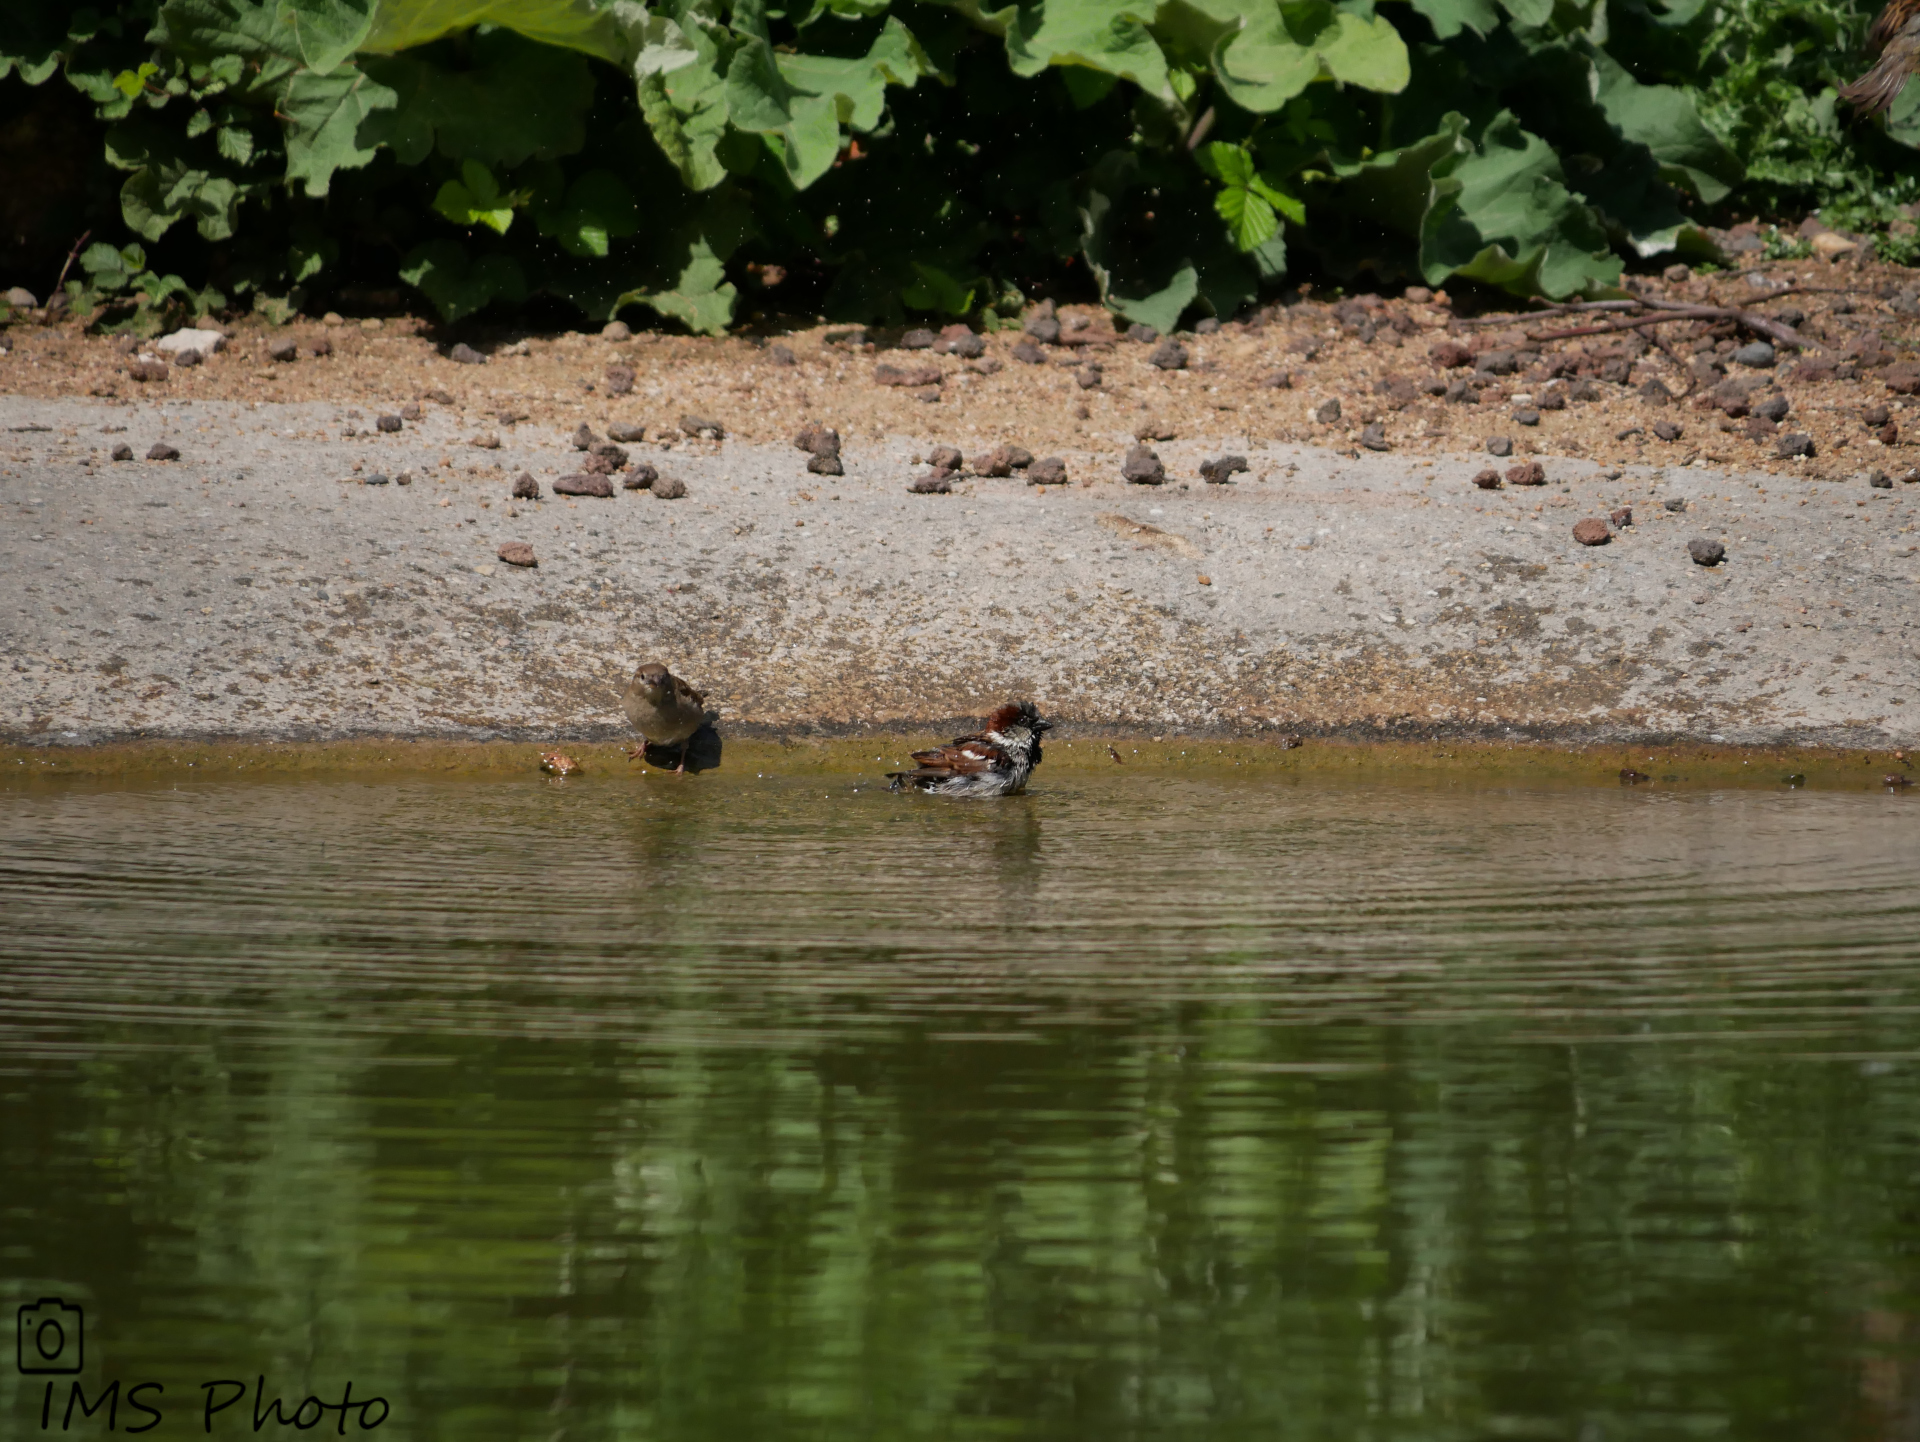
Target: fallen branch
{"points": [[1670, 311]]}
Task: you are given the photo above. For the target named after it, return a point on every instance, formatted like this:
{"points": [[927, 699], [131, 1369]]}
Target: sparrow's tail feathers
{"points": [[1875, 92]]}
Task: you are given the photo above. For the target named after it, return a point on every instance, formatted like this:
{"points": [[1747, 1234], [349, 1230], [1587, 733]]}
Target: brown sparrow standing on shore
{"points": [[1895, 38], [995, 761], [663, 709]]}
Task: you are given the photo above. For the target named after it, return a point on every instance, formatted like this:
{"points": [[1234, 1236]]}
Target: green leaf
{"points": [[133, 83], [1665, 119], [702, 299], [934, 289], [686, 113], [1161, 310], [518, 101], [324, 117], [235, 143], [1250, 219], [327, 32], [568, 24], [208, 30], [1228, 164], [1105, 35], [1287, 47], [457, 285], [596, 209], [1450, 17]]}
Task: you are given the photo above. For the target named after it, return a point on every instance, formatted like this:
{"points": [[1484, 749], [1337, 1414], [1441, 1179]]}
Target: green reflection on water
{"points": [[1139, 1107]]}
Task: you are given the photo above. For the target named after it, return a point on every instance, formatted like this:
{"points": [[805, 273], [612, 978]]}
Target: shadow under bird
{"points": [[1895, 38], [665, 710], [994, 761]]}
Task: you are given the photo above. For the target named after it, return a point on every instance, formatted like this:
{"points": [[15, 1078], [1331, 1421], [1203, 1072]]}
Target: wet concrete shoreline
{"points": [[257, 590]]}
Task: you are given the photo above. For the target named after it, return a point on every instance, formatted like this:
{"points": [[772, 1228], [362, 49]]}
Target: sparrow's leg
{"points": [[681, 769], [636, 753]]}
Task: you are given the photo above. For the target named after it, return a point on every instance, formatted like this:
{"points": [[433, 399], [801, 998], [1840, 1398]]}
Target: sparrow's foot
{"points": [[634, 753]]}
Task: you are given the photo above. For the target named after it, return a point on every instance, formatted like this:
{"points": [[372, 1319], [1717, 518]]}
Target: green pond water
{"points": [[1144, 1106]]}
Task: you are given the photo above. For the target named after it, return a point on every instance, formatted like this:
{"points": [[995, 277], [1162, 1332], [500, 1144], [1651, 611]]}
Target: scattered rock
{"points": [[437, 396], [1499, 445], [781, 356], [1327, 413], [825, 466], [619, 380], [284, 349], [378, 478], [616, 330], [1526, 416], [628, 432], [187, 359], [1902, 380], [320, 348], [1487, 480], [640, 478], [1530, 473], [1876, 416], [389, 425], [1169, 355], [147, 370], [1755, 354], [1793, 445], [1629, 433], [410, 411], [607, 451], [887, 374], [918, 340], [1142, 334], [583, 438], [1449, 355], [1880, 480], [1496, 363], [1677, 274], [123, 452], [1774, 408], [1667, 430], [487, 442], [1591, 533], [1675, 503], [1004, 461], [669, 488], [466, 355], [161, 451], [1655, 392], [818, 440], [1759, 428], [945, 458], [517, 553], [1206, 325], [583, 483], [1047, 471], [933, 485], [1583, 391], [202, 342], [1142, 467], [20, 298], [1705, 552], [1219, 471], [698, 426], [525, 487], [1087, 378], [404, 478], [1041, 325], [1153, 431], [966, 345], [1621, 518], [1374, 437]]}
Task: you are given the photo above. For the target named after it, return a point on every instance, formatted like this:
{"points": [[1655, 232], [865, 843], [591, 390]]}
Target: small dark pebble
{"points": [[1374, 437], [1047, 471], [1043, 328], [161, 451], [628, 432], [437, 396], [639, 478], [1757, 354], [466, 355], [1004, 461], [1888, 435], [781, 356], [388, 424], [945, 458], [1880, 480], [1876, 416], [1087, 378], [1583, 391], [918, 340], [1327, 413], [1143, 334], [1667, 430], [1169, 355], [1487, 480], [827, 465], [1706, 553], [1499, 445], [1496, 363], [1655, 392], [1526, 416], [1629, 433], [1141, 467], [669, 488], [525, 487], [1792, 445], [1675, 503], [1218, 472], [1553, 400], [583, 483], [147, 371], [818, 440], [934, 485], [1448, 354], [608, 451], [123, 452], [619, 380], [410, 411], [1206, 326], [968, 346], [1026, 350], [1621, 518], [285, 349], [186, 359], [517, 553], [1591, 533], [376, 479], [1529, 473], [1774, 408], [583, 438], [320, 348], [700, 425]]}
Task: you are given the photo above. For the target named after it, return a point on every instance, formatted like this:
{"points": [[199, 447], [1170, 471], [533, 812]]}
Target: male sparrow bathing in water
{"points": [[995, 761], [664, 709]]}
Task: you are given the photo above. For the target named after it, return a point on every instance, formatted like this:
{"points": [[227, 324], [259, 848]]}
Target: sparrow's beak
{"points": [[1039, 725]]}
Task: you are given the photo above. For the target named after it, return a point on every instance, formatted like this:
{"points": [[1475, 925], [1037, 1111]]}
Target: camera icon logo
{"points": [[52, 1335]]}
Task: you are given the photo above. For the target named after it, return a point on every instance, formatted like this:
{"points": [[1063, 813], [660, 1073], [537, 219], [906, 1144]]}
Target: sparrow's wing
{"points": [[969, 756], [687, 695]]}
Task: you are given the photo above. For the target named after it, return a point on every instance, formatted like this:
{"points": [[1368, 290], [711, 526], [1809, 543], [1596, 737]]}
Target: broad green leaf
{"points": [[475, 199], [1228, 164], [803, 100], [1161, 310], [311, 252], [1665, 119], [934, 289], [1285, 49], [596, 209], [657, 46], [1105, 35], [458, 285], [1450, 17], [1504, 216], [1250, 220], [324, 115], [701, 299], [235, 143], [993, 22], [258, 33], [570, 24], [520, 101], [686, 112], [1395, 188], [327, 32]]}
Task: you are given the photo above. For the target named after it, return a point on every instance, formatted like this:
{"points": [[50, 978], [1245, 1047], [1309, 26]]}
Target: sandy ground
{"points": [[256, 587]]}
